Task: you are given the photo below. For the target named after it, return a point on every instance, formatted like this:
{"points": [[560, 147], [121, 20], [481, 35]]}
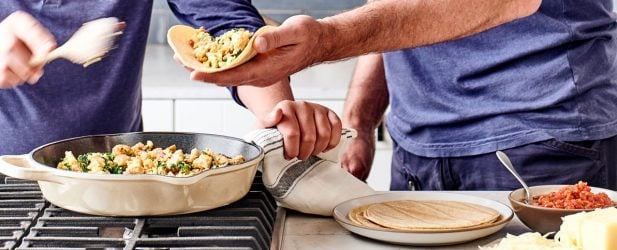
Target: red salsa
{"points": [[577, 196]]}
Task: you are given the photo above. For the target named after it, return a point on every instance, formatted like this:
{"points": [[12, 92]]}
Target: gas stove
{"points": [[28, 221]]}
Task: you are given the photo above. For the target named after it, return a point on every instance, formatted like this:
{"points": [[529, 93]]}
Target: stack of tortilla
{"points": [[422, 215]]}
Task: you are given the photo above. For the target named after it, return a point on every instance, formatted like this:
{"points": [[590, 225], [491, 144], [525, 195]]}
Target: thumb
{"points": [[275, 38], [272, 119]]}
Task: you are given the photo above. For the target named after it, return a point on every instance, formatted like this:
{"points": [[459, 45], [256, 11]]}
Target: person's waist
{"points": [[456, 141]]}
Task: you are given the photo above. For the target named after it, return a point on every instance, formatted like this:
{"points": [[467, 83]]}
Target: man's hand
{"points": [[21, 38], [283, 51], [358, 157], [307, 128]]}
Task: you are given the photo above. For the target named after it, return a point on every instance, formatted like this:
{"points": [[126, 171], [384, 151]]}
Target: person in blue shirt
{"points": [[62, 100], [463, 78]]}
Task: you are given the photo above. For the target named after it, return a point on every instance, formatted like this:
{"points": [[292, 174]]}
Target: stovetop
{"points": [[27, 221]]}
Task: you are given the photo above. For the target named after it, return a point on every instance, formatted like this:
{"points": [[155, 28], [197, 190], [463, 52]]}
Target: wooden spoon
{"points": [[88, 45], [179, 37]]}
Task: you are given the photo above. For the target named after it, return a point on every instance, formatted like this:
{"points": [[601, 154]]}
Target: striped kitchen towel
{"points": [[313, 186]]}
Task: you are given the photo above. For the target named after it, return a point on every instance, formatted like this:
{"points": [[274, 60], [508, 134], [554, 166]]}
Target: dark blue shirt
{"points": [[550, 75], [105, 97]]}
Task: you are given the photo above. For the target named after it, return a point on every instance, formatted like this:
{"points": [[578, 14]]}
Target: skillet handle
{"points": [[17, 166]]}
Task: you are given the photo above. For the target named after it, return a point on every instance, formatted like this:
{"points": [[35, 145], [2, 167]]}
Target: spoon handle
{"points": [[44, 59], [505, 160]]}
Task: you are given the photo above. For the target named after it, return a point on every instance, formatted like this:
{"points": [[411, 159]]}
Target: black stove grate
{"points": [[20, 204], [27, 221]]}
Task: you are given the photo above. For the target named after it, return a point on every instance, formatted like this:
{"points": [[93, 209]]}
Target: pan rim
{"points": [[127, 177]]}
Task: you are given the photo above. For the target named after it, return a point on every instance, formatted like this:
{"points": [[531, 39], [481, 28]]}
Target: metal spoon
{"points": [[503, 158]]}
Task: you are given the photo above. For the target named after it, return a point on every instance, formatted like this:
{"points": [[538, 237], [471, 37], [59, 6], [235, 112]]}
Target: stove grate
{"points": [[20, 204], [28, 222]]}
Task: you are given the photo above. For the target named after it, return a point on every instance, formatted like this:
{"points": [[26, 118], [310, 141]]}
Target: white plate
{"points": [[423, 238]]}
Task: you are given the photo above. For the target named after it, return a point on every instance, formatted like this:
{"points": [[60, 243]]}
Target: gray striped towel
{"points": [[314, 186]]}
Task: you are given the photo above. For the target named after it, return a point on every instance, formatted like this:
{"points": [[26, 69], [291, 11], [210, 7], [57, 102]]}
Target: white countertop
{"points": [[304, 232], [163, 78]]}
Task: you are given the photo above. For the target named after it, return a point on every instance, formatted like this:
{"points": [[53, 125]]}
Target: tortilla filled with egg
{"points": [[202, 52]]}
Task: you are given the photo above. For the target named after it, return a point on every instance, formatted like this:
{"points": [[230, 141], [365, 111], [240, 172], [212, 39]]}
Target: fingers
{"points": [[290, 130], [294, 30], [281, 36], [308, 136], [336, 128], [358, 157], [219, 79], [358, 171], [307, 128], [323, 131], [353, 165], [197, 76], [21, 38], [272, 119], [246, 74], [27, 29], [18, 63], [8, 79], [273, 39]]}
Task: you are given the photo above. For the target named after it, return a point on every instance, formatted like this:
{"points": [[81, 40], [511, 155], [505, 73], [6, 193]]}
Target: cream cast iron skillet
{"points": [[140, 194]]}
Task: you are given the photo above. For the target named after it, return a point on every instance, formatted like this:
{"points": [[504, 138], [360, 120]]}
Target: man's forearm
{"points": [[367, 97], [397, 24], [261, 100]]}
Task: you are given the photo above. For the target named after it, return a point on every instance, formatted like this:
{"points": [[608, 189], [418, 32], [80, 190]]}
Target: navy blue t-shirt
{"points": [[105, 97], [550, 75]]}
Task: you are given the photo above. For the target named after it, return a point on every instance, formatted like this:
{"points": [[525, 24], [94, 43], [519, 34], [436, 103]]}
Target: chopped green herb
{"points": [[113, 168], [84, 161], [237, 54], [109, 156], [184, 168], [117, 169]]}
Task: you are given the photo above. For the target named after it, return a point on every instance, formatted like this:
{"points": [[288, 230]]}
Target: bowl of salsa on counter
{"points": [[551, 202]]}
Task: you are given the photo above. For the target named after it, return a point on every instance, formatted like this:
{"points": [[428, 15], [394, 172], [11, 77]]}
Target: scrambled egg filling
{"points": [[145, 159], [220, 51]]}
